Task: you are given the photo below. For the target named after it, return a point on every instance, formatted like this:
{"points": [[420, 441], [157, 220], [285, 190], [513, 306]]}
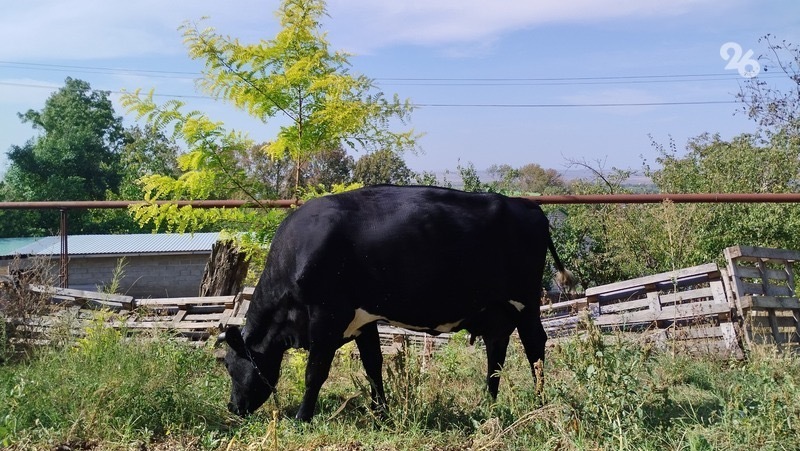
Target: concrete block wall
{"points": [[143, 276]]}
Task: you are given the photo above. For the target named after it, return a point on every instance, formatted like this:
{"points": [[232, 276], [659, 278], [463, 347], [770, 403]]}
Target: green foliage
{"points": [[744, 164], [111, 389], [382, 166], [526, 180], [75, 156], [296, 76], [600, 392], [293, 76]]}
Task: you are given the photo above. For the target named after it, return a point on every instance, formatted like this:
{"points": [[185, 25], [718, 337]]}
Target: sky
{"points": [[502, 82]]}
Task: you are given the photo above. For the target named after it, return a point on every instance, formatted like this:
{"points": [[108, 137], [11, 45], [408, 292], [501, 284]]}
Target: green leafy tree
{"points": [[536, 179], [383, 166], [528, 179], [745, 164], [146, 152], [294, 78], [297, 77], [74, 157]]}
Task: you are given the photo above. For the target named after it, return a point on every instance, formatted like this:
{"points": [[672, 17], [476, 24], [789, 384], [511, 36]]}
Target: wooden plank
{"points": [[224, 317], [773, 274], [748, 288], [247, 292], [636, 304], [695, 332], [770, 302], [763, 253], [748, 272], [688, 295], [710, 269], [179, 317], [204, 316], [114, 300], [572, 305], [654, 301], [178, 302], [670, 313], [775, 290], [169, 324]]}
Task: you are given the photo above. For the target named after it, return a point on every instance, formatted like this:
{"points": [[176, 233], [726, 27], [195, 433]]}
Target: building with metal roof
{"points": [[110, 245], [153, 265]]}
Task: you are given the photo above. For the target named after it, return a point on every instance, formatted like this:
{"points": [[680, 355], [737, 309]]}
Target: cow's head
{"points": [[254, 374]]}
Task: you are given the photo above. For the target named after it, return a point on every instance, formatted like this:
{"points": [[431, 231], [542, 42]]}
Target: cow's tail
{"points": [[564, 278]]}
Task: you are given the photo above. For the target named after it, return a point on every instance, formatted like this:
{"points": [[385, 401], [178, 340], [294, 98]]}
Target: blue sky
{"points": [[508, 81]]}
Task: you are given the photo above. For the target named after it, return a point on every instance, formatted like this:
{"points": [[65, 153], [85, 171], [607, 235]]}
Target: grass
{"points": [[111, 392]]}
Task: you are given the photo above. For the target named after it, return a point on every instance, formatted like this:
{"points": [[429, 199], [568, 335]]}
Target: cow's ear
{"points": [[233, 336]]}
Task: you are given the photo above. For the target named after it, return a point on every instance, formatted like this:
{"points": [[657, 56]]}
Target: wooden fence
{"points": [[702, 309]]}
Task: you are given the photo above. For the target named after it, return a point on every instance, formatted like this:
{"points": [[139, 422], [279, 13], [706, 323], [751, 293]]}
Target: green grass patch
{"points": [[112, 392]]}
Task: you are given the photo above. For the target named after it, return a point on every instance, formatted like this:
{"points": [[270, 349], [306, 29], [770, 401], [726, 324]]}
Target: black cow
{"points": [[428, 259]]}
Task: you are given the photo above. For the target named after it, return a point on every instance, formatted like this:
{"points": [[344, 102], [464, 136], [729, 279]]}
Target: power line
{"points": [[418, 81], [569, 105], [448, 105]]}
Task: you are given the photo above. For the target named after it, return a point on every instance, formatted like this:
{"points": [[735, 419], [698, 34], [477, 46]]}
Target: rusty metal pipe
{"points": [[555, 199], [676, 198], [106, 204]]}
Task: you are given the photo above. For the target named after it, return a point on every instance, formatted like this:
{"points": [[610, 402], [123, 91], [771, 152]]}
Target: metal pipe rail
{"points": [[554, 199], [65, 206]]}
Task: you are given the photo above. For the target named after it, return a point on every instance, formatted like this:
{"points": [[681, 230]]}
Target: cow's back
{"points": [[413, 254]]}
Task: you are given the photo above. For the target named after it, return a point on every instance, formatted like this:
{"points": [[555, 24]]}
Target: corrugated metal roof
{"points": [[145, 243], [9, 245]]}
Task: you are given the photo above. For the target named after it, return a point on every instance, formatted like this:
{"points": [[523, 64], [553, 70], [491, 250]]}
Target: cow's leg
{"points": [[320, 357], [496, 348], [369, 347], [532, 336], [326, 330]]}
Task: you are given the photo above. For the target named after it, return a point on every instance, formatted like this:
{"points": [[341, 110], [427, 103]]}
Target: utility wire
{"points": [[446, 105], [415, 81]]}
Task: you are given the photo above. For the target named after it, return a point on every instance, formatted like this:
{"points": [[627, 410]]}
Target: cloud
{"points": [[364, 25], [93, 29]]}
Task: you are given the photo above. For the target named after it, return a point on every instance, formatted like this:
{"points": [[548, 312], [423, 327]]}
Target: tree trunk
{"points": [[225, 270]]}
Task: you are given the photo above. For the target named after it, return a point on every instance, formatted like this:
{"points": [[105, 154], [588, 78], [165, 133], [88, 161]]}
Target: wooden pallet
{"points": [[763, 283], [562, 319], [686, 309]]}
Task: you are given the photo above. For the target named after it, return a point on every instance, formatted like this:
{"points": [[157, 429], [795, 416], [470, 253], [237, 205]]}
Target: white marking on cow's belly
{"points": [[517, 305], [362, 317], [444, 328]]}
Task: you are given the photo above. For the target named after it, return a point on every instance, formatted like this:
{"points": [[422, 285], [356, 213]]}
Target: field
{"points": [[601, 392]]}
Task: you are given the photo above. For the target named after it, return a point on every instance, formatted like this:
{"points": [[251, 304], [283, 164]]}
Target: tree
{"points": [[75, 156], [530, 178], [536, 179], [296, 76], [330, 167], [383, 166], [146, 151], [745, 164], [772, 107]]}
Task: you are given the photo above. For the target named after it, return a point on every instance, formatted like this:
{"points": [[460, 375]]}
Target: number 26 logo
{"points": [[745, 64]]}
